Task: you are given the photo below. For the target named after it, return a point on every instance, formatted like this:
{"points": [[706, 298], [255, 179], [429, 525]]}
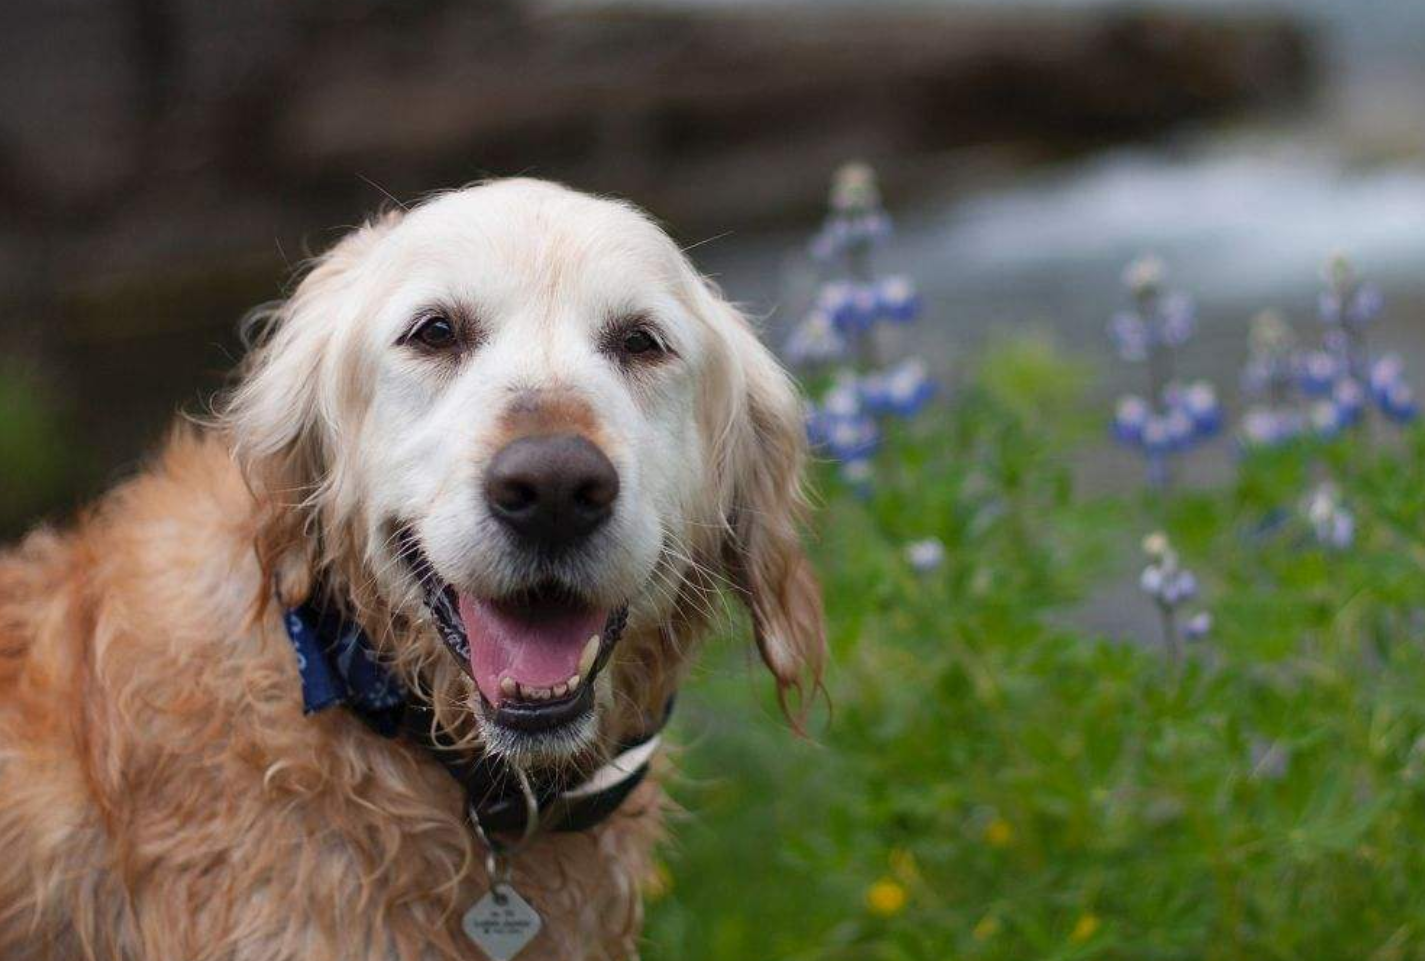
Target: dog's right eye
{"points": [[434, 333]]}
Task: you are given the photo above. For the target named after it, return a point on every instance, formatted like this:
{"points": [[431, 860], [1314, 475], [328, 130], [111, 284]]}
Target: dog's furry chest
{"points": [[162, 795], [363, 855]]}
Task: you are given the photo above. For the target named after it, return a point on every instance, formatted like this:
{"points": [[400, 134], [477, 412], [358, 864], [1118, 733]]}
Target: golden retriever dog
{"points": [[512, 445]]}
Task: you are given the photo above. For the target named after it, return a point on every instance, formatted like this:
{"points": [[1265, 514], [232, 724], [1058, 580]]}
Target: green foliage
{"points": [[32, 448], [990, 785], [1028, 374]]}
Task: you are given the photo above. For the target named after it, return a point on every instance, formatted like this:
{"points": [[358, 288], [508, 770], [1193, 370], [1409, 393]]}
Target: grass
{"points": [[992, 784]]}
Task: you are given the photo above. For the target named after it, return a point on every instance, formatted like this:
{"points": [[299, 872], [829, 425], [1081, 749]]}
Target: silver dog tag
{"points": [[501, 923]]}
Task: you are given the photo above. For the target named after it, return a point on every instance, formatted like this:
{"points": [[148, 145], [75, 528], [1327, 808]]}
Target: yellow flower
{"points": [[987, 928], [886, 898], [1086, 927], [999, 833]]}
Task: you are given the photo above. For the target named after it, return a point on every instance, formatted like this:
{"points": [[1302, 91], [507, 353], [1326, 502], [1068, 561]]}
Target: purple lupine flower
{"points": [[1198, 626], [856, 217], [925, 555], [1264, 426], [1171, 417], [1179, 588], [1130, 336], [1326, 419], [850, 307], [857, 307], [1130, 419], [1347, 307], [1348, 302], [1388, 388], [1177, 318], [1183, 418], [858, 474], [1333, 525], [815, 341], [1398, 403], [1386, 372], [854, 308], [897, 300], [865, 307], [1171, 585], [1261, 428], [850, 438], [1199, 401], [1181, 429], [1157, 436], [1349, 400], [841, 425], [1273, 376], [1365, 306], [902, 390], [1158, 317], [843, 399], [1320, 370]]}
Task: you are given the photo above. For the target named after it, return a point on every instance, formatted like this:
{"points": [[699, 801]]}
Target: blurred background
{"points": [[166, 164]]}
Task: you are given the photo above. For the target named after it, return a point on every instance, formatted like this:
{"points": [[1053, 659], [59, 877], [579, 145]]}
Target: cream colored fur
{"points": [[162, 795]]}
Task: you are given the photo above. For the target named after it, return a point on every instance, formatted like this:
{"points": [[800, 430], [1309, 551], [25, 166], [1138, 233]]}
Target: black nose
{"points": [[551, 491]]}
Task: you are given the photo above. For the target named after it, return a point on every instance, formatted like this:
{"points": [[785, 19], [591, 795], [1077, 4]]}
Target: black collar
{"points": [[338, 665]]}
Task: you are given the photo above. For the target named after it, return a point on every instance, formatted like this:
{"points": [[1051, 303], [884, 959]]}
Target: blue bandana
{"points": [[339, 666]]}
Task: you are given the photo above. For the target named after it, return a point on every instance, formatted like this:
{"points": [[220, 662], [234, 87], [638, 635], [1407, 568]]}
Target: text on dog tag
{"points": [[501, 923]]}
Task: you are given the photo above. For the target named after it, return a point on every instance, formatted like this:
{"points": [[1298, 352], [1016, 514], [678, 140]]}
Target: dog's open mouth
{"points": [[533, 655]]}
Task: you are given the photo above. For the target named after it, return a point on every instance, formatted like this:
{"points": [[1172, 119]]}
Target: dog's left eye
{"points": [[435, 333], [640, 341], [635, 342]]}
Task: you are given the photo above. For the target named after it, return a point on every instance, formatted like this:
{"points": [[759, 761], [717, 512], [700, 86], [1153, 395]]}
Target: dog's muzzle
{"points": [[534, 655]]}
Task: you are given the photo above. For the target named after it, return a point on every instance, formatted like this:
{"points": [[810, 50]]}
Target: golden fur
{"points": [[162, 795]]}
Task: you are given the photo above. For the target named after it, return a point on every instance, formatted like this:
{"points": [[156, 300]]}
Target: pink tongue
{"points": [[537, 648]]}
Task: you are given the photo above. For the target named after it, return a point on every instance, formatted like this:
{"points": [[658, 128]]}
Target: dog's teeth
{"points": [[511, 688], [591, 652]]}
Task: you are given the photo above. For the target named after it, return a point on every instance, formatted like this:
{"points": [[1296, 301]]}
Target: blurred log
{"points": [[714, 117], [164, 163], [709, 116]]}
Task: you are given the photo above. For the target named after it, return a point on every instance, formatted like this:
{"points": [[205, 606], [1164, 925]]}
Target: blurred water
{"points": [[1245, 217], [1243, 225]]}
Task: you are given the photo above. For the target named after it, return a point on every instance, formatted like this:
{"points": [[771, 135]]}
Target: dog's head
{"points": [[515, 416]]}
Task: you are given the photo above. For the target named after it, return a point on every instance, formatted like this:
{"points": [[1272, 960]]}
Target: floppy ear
{"points": [[281, 420], [759, 458]]}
